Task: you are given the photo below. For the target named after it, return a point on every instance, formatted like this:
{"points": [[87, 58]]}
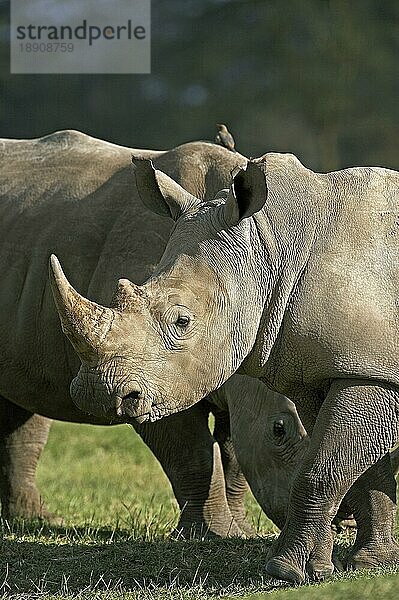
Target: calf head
{"points": [[269, 440]]}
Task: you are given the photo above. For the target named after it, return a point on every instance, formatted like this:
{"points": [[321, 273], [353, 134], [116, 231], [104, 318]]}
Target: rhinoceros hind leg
{"points": [[368, 558], [22, 438], [373, 498]]}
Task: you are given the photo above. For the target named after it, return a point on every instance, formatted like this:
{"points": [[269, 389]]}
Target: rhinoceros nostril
{"points": [[136, 395], [127, 405]]}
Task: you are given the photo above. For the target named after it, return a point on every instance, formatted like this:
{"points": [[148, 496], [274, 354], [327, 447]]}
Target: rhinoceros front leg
{"points": [[356, 426], [190, 457], [308, 410], [373, 498], [236, 484], [22, 438]]}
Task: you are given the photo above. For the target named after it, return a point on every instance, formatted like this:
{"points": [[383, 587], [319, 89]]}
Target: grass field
{"points": [[118, 510]]}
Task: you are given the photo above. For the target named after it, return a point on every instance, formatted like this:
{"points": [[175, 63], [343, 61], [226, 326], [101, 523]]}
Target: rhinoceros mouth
{"points": [[134, 404], [128, 404], [144, 418], [154, 414]]}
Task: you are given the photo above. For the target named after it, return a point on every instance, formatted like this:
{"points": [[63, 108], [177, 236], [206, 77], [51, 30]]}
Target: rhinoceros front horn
{"points": [[85, 323]]}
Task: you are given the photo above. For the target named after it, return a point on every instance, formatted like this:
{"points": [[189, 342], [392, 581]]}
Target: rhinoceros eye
{"points": [[278, 428], [183, 322]]}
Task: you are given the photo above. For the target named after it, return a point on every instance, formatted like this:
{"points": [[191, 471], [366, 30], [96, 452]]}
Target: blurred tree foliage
{"points": [[315, 77]]}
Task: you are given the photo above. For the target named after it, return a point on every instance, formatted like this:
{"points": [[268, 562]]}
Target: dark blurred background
{"points": [[315, 77]]}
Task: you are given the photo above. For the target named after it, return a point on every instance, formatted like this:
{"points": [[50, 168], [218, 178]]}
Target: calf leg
{"points": [[356, 426], [22, 438], [236, 484], [190, 457]]}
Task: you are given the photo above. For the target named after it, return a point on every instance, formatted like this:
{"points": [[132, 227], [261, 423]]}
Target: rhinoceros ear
{"points": [[248, 193], [160, 193]]}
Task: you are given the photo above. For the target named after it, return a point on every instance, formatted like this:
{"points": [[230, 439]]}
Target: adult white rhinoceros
{"points": [[74, 194], [293, 278]]}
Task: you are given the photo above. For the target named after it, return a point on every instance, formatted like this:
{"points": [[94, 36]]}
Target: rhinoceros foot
{"points": [[203, 531], [27, 504], [239, 522], [375, 555], [319, 571], [291, 561], [279, 568], [246, 529], [285, 570]]}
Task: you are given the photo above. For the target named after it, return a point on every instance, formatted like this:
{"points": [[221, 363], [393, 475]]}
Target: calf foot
{"points": [[374, 555], [27, 504]]}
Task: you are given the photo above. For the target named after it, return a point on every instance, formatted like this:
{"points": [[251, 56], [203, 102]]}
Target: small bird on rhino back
{"points": [[224, 137]]}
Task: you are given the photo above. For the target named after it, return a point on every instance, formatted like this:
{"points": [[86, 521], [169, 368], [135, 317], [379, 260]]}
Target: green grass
{"points": [[118, 510]]}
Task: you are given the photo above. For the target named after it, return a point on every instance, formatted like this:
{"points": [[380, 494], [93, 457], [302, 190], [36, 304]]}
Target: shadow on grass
{"points": [[77, 560]]}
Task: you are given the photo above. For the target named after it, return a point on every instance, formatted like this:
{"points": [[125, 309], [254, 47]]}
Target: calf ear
{"points": [[248, 193], [160, 193]]}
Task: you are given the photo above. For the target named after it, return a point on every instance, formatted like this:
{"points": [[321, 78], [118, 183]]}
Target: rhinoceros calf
{"points": [[73, 194], [296, 273], [268, 438]]}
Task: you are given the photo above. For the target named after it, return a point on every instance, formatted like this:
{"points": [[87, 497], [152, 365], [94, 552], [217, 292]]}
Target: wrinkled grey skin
{"points": [[75, 195], [293, 279]]}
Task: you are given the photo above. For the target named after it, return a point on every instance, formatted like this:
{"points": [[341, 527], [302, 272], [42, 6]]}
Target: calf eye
{"points": [[278, 428], [182, 322]]}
